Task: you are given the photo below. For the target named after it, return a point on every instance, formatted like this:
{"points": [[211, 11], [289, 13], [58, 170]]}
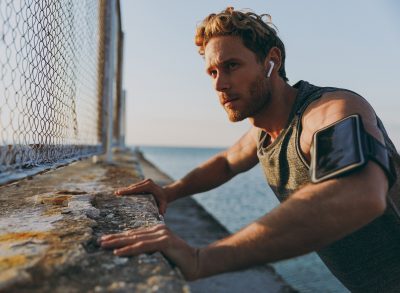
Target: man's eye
{"points": [[232, 65], [213, 73]]}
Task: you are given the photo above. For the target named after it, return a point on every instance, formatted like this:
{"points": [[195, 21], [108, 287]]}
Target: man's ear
{"points": [[274, 55]]}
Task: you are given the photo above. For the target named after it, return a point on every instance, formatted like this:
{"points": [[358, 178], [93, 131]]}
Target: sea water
{"points": [[239, 202]]}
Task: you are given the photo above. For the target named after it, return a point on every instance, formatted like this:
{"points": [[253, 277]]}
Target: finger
{"points": [[118, 242], [119, 235], [147, 246], [145, 181], [121, 240], [128, 188], [133, 185], [129, 240], [146, 230], [147, 186], [139, 231], [136, 190]]}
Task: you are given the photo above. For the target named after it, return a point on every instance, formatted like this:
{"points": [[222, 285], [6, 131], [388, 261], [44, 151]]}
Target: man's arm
{"points": [[313, 217], [310, 219], [239, 158], [222, 167], [317, 214]]}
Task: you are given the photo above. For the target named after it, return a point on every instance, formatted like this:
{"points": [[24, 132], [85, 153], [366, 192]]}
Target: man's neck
{"points": [[274, 117]]}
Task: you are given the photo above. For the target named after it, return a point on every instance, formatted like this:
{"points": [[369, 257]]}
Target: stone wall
{"points": [[50, 223]]}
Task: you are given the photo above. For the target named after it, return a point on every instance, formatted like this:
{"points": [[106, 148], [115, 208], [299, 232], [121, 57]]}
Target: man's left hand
{"points": [[152, 239]]}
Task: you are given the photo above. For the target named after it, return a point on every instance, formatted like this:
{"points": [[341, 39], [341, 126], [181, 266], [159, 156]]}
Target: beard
{"points": [[258, 98]]}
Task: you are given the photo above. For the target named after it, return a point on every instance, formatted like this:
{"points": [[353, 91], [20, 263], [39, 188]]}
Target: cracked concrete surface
{"points": [[50, 223], [194, 224]]}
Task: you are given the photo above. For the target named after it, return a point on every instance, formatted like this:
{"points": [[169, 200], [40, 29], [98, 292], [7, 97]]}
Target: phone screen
{"points": [[338, 148]]}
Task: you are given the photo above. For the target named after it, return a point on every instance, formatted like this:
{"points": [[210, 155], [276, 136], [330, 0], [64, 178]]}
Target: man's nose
{"points": [[221, 82]]}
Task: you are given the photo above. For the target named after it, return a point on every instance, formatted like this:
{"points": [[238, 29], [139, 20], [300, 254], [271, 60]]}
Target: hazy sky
{"points": [[170, 101]]}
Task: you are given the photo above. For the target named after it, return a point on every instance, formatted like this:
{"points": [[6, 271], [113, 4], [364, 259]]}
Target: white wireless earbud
{"points": [[270, 69]]}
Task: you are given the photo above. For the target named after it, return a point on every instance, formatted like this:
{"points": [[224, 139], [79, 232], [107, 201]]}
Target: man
{"points": [[325, 154]]}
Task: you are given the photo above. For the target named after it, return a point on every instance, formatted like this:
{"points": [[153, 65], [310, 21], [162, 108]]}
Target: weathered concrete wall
{"points": [[50, 223], [194, 224]]}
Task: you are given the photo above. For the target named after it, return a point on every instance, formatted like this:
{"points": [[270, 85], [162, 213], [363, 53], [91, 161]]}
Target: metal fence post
{"points": [[110, 76], [122, 120]]}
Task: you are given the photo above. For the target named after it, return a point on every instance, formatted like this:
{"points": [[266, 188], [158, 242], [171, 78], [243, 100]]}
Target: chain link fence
{"points": [[55, 72]]}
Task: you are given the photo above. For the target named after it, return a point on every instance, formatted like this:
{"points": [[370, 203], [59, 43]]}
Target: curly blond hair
{"points": [[257, 34]]}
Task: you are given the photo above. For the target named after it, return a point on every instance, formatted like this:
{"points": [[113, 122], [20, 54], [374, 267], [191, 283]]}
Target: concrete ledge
{"points": [[193, 223], [50, 223], [49, 227]]}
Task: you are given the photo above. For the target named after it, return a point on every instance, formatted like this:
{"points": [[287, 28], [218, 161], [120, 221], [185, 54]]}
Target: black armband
{"points": [[343, 147]]}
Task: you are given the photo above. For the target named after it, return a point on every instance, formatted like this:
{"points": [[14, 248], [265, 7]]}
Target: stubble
{"points": [[259, 98]]}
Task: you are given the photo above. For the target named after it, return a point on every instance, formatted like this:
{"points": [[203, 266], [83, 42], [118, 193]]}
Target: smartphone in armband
{"points": [[343, 147]]}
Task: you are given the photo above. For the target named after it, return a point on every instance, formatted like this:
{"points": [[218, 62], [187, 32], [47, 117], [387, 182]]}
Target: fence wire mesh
{"points": [[51, 63]]}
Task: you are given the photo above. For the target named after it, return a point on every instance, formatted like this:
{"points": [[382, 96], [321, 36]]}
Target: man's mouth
{"points": [[228, 101], [229, 104]]}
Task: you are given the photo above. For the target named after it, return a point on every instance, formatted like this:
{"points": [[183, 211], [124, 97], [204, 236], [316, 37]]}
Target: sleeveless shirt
{"points": [[368, 260]]}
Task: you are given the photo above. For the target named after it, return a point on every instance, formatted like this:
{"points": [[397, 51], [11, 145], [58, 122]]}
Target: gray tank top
{"points": [[367, 260]]}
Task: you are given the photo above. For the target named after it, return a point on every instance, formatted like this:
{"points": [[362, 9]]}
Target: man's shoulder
{"points": [[331, 107], [335, 105]]}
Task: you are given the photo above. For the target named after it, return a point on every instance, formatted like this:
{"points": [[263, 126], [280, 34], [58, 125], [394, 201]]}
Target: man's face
{"points": [[237, 76]]}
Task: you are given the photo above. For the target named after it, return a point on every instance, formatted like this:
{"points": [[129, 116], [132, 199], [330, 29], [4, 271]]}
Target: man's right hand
{"points": [[147, 186]]}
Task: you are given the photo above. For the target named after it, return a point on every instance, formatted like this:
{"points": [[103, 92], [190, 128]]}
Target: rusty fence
{"points": [[61, 96]]}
